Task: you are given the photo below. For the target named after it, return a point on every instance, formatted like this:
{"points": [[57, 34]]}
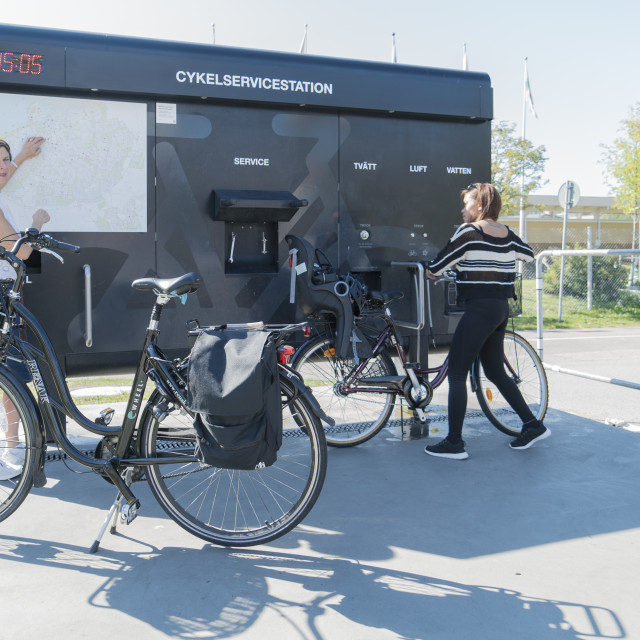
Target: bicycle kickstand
{"points": [[127, 514]]}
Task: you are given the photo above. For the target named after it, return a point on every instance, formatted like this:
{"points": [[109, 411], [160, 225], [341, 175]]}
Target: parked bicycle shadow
{"points": [[580, 482], [333, 571], [219, 593]]}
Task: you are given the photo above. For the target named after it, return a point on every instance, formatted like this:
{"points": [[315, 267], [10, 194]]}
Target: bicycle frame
{"points": [[395, 385], [152, 364], [250, 504]]}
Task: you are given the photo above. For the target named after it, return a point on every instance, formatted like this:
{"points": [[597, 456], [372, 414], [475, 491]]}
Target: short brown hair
{"points": [[5, 144], [488, 198]]}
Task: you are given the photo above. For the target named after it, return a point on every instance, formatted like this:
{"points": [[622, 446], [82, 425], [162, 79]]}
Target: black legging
{"points": [[481, 331]]}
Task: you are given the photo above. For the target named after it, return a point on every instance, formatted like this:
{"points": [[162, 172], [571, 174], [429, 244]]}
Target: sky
{"points": [[582, 55]]}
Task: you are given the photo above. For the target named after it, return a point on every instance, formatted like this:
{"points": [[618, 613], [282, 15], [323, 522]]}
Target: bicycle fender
{"points": [[39, 477], [301, 388]]}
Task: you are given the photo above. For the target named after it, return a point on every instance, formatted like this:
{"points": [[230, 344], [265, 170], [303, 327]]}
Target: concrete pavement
{"points": [[530, 544], [534, 545]]}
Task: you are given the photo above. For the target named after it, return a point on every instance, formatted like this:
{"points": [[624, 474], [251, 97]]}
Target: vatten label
{"points": [[463, 170]]}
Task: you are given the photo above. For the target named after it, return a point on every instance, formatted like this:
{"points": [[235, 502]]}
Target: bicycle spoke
{"points": [[233, 507]]}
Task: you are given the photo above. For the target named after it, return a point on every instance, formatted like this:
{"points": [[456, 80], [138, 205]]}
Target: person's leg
{"points": [[11, 420], [480, 318], [11, 458], [492, 359], [11, 436], [478, 322]]}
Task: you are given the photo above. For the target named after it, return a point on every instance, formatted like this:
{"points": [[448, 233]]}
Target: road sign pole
{"points": [[570, 193]]}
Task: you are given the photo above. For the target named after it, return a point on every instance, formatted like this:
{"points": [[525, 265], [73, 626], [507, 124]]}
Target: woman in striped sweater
{"points": [[484, 253]]}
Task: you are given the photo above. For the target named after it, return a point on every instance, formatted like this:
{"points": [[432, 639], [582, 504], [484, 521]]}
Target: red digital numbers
{"points": [[24, 63], [6, 62]]}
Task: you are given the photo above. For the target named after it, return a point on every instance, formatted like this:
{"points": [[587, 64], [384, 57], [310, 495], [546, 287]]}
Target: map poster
{"points": [[91, 175]]}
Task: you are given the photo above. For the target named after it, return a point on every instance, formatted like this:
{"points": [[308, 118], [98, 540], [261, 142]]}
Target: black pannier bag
{"points": [[234, 389]]}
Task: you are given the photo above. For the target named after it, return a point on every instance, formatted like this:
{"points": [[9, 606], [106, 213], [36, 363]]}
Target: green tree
{"points": [[509, 153], [622, 163]]}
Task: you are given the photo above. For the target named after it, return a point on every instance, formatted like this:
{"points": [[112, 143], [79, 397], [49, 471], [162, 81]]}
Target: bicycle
{"points": [[157, 440], [360, 393]]}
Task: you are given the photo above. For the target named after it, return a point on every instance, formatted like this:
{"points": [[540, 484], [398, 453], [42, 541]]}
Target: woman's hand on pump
{"points": [[427, 272]]}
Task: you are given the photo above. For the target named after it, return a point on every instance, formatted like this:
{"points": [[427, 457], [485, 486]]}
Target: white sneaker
{"points": [[9, 470], [14, 455]]}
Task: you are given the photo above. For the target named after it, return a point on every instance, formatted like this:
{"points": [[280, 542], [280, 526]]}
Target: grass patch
{"points": [[104, 381], [110, 399], [574, 312], [100, 381]]}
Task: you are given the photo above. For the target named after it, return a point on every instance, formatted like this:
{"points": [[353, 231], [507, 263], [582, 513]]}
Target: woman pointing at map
{"points": [[8, 167], [11, 449]]}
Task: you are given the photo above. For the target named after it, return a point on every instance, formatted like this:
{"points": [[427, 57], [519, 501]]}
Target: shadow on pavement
{"points": [[184, 593], [580, 482], [340, 570]]}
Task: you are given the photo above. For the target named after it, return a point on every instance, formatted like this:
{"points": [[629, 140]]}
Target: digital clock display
{"points": [[24, 63]]}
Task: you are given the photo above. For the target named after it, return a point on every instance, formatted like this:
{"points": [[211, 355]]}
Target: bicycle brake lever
{"points": [[53, 253]]}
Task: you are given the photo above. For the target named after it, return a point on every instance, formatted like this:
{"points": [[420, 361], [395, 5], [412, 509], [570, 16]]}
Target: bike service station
{"points": [[163, 158]]}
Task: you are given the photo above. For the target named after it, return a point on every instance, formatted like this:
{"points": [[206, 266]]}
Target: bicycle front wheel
{"points": [[17, 448], [238, 508], [358, 416], [524, 366]]}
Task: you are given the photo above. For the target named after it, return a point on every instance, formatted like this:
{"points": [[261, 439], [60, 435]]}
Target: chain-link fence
{"points": [[584, 285]]}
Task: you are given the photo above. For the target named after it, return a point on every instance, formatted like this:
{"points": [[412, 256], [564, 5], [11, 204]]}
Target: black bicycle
{"points": [[157, 439], [360, 392]]}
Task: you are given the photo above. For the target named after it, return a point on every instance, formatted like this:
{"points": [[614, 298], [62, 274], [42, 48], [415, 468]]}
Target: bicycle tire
{"points": [[13, 491], [238, 508], [531, 379], [358, 416]]}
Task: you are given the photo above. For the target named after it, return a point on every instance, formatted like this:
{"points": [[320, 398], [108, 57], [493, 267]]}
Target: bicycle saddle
{"points": [[188, 283], [385, 297]]}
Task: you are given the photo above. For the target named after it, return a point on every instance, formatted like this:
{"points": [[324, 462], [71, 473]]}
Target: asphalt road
{"points": [[611, 353]]}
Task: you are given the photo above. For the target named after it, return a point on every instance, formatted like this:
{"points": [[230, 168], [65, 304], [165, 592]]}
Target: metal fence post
{"points": [[539, 319], [589, 270]]}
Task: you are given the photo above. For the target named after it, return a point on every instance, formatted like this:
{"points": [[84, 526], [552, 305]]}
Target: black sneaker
{"points": [[529, 436], [446, 449]]}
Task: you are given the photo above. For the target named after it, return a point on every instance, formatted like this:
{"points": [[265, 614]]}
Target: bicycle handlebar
{"points": [[39, 240]]}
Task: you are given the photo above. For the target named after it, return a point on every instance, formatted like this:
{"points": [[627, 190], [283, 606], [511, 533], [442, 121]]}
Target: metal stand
{"points": [[128, 513]]}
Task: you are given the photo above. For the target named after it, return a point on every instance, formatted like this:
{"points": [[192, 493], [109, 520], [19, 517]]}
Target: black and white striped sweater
{"points": [[486, 265]]}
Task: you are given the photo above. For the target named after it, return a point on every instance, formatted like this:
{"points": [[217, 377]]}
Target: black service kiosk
{"points": [[165, 157]]}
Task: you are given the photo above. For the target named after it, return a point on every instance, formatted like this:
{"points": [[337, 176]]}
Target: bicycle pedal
{"points": [[105, 417], [129, 511]]}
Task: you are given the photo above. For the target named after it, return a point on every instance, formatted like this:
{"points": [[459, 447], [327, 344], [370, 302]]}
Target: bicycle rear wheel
{"points": [[238, 508], [524, 366], [358, 416], [17, 463]]}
